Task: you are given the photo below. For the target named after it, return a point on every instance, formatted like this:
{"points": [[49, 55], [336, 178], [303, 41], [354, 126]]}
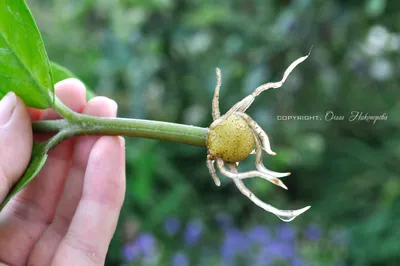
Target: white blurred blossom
{"points": [[381, 69]]}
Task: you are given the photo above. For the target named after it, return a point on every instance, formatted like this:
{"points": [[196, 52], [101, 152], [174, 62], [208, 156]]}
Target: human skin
{"points": [[68, 214]]}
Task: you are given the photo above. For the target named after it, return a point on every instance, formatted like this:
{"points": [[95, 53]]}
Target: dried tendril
{"points": [[235, 135]]}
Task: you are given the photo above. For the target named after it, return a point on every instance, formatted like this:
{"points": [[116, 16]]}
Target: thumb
{"points": [[15, 141]]}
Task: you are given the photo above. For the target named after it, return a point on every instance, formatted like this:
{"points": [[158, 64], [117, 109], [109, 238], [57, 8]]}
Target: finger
{"points": [[34, 113], [72, 93], [47, 245], [15, 141], [93, 225], [44, 191], [27, 215]]}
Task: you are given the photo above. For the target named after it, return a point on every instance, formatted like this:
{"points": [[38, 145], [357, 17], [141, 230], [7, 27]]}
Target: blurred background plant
{"points": [[230, 245], [157, 58]]}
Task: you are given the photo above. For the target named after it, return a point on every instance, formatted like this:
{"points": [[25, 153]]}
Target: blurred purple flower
{"points": [[180, 259], [228, 261], [146, 244], [235, 243], [193, 232], [313, 232], [280, 250], [285, 232], [131, 252], [144, 247], [298, 262], [172, 226], [263, 258], [259, 235], [223, 220]]}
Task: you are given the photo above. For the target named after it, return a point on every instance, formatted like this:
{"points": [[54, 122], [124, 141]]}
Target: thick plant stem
{"points": [[91, 125], [50, 126]]}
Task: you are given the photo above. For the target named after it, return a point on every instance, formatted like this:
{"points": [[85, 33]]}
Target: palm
{"points": [[68, 214]]}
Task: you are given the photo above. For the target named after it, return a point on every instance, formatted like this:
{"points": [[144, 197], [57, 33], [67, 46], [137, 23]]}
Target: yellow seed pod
{"points": [[231, 141]]}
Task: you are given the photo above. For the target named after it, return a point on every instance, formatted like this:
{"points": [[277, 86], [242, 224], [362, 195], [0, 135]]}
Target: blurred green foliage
{"points": [[157, 58]]}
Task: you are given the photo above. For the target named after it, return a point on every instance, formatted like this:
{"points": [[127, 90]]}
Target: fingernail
{"points": [[7, 106], [121, 141], [114, 107]]}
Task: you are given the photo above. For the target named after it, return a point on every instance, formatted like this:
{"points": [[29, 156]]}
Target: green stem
{"points": [[57, 139], [92, 125]]}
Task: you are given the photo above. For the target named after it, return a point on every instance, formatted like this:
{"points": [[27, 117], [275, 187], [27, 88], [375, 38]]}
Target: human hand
{"points": [[68, 214]]}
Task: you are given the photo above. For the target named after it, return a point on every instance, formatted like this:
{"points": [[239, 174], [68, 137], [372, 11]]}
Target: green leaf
{"points": [[61, 73], [24, 65], [38, 158]]}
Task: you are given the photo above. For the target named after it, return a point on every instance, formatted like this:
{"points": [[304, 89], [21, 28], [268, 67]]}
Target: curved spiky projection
{"points": [[261, 141]]}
